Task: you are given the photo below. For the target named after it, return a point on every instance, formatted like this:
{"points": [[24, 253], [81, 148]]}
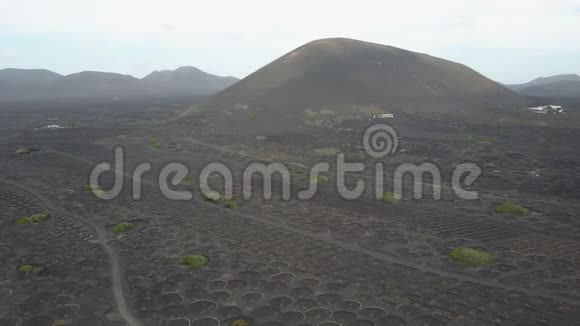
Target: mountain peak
{"points": [[345, 75], [189, 70]]}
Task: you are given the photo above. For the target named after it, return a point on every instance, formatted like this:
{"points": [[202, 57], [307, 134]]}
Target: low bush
{"points": [[391, 197], [321, 179], [196, 261], [240, 322], [512, 209], [186, 179], [155, 143], [216, 198], [23, 151], [230, 204], [471, 257], [32, 219], [122, 227], [25, 268], [95, 190]]}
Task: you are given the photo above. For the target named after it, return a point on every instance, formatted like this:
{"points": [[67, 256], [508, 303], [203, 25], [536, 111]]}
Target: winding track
{"points": [[103, 240]]}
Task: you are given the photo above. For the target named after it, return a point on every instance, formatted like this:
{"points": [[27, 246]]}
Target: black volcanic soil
{"points": [[325, 261]]}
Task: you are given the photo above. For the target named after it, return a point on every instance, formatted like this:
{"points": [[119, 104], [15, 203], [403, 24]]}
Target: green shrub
{"points": [[95, 190], [213, 196], [34, 218], [471, 257], [155, 143], [319, 179], [23, 151], [391, 197], [122, 227], [196, 261], [24, 220], [230, 204], [327, 151], [239, 322], [186, 179], [25, 268], [216, 198], [509, 208], [41, 217]]}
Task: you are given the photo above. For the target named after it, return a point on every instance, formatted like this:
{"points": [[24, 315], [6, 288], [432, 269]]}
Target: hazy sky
{"points": [[507, 40]]}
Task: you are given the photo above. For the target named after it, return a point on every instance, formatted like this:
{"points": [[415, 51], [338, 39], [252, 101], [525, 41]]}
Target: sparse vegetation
{"points": [[319, 179], [196, 261], [239, 322], [391, 197], [216, 198], [187, 179], [95, 190], [510, 208], [480, 140], [213, 196], [23, 151], [122, 227], [32, 219], [471, 257], [230, 204], [155, 143], [25, 268], [329, 151], [298, 171]]}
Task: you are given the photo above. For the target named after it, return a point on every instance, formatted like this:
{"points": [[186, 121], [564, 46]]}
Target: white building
{"points": [[548, 109], [383, 116]]}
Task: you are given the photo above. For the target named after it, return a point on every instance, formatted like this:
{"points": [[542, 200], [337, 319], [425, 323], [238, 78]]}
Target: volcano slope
{"points": [[345, 77]]}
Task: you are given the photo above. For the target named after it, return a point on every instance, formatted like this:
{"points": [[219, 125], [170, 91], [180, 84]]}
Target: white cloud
{"points": [[497, 23]]}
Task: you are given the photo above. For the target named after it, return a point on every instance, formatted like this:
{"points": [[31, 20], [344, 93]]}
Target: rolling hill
{"points": [[559, 86], [35, 84]]}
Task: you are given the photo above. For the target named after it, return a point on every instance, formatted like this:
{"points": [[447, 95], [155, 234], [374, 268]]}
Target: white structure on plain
{"points": [[383, 116], [548, 109], [53, 127], [240, 106]]}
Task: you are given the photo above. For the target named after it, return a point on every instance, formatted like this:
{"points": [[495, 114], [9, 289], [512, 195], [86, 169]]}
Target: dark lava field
{"points": [[324, 261]]}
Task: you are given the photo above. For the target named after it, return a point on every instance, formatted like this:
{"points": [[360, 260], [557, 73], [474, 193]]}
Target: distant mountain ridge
{"points": [[14, 75], [40, 84], [558, 86], [181, 81]]}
